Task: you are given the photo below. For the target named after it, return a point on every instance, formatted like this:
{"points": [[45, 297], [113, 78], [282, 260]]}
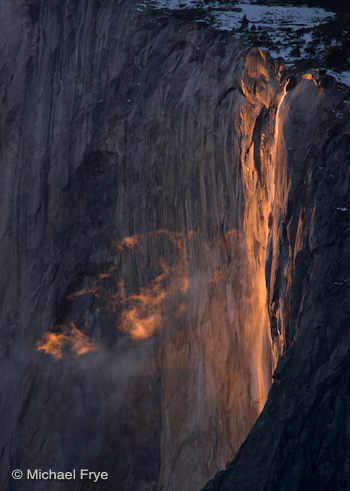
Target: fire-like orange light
{"points": [[53, 343], [128, 243], [143, 312]]}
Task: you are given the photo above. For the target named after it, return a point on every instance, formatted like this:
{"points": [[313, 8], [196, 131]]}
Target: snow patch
{"points": [[343, 77], [228, 16], [287, 30]]}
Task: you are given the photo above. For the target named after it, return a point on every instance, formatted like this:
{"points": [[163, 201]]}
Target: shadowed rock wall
{"points": [[127, 239], [146, 180], [300, 440]]}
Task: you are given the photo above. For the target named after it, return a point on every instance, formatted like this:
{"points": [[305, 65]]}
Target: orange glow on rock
{"points": [[143, 313], [128, 243], [85, 291], [140, 313], [218, 276], [54, 343]]}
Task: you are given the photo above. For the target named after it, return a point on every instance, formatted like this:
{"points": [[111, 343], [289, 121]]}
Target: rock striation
{"points": [[173, 222], [300, 440]]}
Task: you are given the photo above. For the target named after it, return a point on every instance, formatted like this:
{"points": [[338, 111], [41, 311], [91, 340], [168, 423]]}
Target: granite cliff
{"points": [[174, 221]]}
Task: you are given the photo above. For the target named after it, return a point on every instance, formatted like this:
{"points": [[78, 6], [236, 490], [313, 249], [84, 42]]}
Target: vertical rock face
{"points": [[301, 439], [217, 362], [154, 174]]}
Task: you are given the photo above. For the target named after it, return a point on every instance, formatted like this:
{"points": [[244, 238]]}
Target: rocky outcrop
{"points": [[124, 218], [301, 438], [155, 173]]}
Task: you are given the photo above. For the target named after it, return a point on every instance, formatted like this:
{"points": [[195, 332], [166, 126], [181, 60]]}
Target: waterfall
{"points": [[160, 228]]}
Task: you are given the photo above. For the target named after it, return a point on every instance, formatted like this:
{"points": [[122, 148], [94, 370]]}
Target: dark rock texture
{"points": [[123, 135], [171, 222], [302, 439]]}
